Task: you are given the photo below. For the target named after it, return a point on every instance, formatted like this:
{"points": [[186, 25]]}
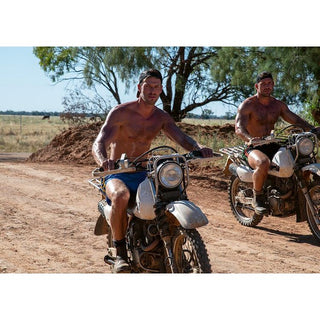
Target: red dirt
{"points": [[48, 213]]}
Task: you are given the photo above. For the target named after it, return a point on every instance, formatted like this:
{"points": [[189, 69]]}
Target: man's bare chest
{"points": [[265, 114], [140, 129]]}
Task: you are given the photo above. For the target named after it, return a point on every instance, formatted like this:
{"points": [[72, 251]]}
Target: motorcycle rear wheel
{"points": [[243, 212], [190, 253], [314, 192]]}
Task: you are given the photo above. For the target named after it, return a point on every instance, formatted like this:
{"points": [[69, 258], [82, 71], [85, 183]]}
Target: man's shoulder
{"points": [[126, 105], [277, 101], [249, 103], [163, 117], [162, 113], [251, 100], [123, 108]]}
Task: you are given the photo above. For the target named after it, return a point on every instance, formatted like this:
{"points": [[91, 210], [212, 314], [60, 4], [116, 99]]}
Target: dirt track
{"points": [[48, 213]]}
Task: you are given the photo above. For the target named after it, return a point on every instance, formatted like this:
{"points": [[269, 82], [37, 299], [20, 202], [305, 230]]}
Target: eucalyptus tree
{"points": [[296, 71], [188, 82]]}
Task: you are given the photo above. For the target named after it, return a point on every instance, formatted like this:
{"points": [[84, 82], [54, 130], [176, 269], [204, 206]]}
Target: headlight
{"points": [[305, 146], [170, 174]]}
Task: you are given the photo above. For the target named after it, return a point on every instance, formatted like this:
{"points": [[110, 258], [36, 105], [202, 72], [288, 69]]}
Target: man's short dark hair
{"points": [[264, 75], [150, 73]]}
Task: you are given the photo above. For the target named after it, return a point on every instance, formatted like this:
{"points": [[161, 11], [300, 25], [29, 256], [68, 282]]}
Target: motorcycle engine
{"points": [[144, 246], [281, 197]]}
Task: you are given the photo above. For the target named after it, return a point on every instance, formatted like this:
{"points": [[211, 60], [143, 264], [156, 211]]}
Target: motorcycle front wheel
{"points": [[190, 253], [314, 219], [240, 198]]}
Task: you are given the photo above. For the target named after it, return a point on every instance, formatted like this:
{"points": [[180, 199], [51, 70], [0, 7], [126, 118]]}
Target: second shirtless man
{"points": [[255, 119]]}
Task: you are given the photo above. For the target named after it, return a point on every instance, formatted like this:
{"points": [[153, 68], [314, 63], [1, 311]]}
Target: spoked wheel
{"points": [[190, 253], [240, 198], [314, 218]]}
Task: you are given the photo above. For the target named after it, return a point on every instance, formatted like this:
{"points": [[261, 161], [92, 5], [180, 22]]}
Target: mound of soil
{"points": [[73, 146], [194, 130]]}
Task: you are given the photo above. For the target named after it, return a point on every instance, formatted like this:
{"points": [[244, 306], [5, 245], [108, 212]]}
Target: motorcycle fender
{"points": [[244, 173], [101, 226], [188, 214], [226, 170], [314, 168]]}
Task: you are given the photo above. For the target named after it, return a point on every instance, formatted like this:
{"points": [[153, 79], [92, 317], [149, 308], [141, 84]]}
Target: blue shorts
{"points": [[131, 180]]}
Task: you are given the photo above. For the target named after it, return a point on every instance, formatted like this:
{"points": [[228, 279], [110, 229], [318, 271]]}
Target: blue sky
{"points": [[24, 86]]}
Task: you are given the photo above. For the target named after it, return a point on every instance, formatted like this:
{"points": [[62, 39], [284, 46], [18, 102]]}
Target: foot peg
{"points": [[109, 260]]}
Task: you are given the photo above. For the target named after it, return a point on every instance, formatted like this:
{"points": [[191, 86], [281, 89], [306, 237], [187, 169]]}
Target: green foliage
{"points": [[296, 71], [193, 76], [187, 81], [56, 60], [307, 113]]}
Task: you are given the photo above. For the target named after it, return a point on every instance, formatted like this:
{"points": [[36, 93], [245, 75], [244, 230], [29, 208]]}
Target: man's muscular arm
{"points": [[174, 133], [106, 135], [242, 120], [292, 118]]}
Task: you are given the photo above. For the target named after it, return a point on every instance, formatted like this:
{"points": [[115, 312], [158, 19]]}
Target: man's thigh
{"points": [[115, 186], [256, 158]]}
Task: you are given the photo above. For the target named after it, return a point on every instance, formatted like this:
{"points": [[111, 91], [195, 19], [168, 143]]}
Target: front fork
{"points": [[164, 231], [303, 186]]}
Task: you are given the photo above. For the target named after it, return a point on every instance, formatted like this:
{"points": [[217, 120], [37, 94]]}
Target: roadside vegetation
{"points": [[20, 133]]}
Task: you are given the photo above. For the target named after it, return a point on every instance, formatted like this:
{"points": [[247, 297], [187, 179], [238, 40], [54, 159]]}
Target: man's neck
{"points": [[265, 100], [145, 109]]}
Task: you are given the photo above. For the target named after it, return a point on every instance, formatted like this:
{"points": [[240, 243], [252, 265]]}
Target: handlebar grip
{"points": [[196, 153]]}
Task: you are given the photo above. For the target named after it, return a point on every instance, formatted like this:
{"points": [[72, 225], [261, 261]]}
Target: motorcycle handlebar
{"points": [[263, 140], [193, 156], [100, 172], [196, 156]]}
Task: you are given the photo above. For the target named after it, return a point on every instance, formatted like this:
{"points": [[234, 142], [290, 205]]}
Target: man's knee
{"points": [[120, 196], [263, 164], [259, 162]]}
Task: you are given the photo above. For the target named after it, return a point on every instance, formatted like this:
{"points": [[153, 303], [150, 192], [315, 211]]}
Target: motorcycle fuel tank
{"points": [[285, 163], [145, 201], [282, 160]]}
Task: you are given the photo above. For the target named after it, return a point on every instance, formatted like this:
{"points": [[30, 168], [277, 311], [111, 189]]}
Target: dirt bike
{"points": [[161, 236], [293, 183]]}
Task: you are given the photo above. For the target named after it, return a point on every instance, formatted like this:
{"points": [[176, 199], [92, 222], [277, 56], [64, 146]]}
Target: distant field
{"points": [[208, 122], [28, 133], [31, 133]]}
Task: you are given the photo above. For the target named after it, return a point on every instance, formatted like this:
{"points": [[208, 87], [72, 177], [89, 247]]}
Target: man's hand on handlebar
{"points": [[206, 152], [108, 165], [316, 131], [254, 141]]}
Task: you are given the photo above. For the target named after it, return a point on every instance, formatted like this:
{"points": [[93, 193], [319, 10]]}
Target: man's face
{"points": [[150, 90], [265, 87]]}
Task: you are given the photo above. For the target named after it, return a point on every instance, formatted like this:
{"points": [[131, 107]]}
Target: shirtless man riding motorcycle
{"points": [[255, 119], [130, 128]]}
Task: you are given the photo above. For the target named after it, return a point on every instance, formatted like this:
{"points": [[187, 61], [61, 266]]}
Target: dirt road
{"points": [[48, 213]]}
